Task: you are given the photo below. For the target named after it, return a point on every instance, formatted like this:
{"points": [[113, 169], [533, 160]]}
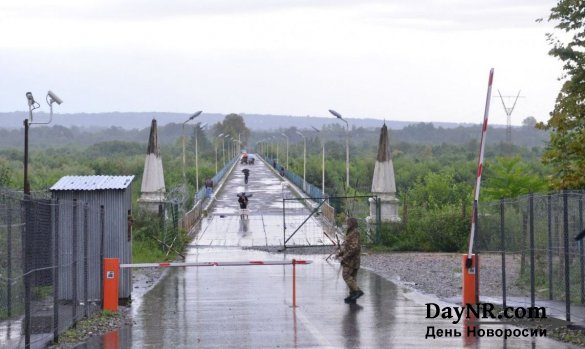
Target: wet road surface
{"points": [[264, 226], [251, 307]]}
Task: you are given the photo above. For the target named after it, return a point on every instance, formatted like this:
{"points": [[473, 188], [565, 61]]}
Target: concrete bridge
{"points": [[250, 307]]}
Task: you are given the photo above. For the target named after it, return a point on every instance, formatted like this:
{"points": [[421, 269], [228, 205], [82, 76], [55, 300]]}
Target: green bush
{"points": [[439, 230]]}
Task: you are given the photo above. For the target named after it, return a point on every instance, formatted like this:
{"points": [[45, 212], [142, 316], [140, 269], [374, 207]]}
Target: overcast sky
{"points": [[423, 60]]}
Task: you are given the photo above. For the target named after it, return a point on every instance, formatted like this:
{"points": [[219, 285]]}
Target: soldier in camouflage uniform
{"points": [[349, 256]]}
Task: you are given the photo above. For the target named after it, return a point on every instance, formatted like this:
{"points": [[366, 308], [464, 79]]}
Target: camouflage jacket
{"points": [[351, 249]]}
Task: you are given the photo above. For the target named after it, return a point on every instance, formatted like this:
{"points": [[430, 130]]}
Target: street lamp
{"points": [[221, 134], [235, 144], [286, 149], [239, 144], [199, 127], [229, 149], [196, 114], [276, 141], [225, 136], [304, 159], [337, 115], [322, 164]]}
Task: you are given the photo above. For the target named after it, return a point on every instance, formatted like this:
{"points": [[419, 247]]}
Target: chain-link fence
{"points": [[50, 269], [528, 247]]}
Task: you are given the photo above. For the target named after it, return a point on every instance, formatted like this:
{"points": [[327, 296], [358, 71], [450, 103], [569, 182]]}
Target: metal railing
{"points": [[309, 189]]}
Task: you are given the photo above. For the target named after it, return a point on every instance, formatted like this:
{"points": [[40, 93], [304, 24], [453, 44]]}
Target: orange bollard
{"points": [[470, 290], [110, 284]]}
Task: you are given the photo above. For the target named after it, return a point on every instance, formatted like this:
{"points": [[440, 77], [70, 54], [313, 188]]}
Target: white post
{"points": [[347, 155], [304, 160], [287, 167], [183, 138], [196, 161], [323, 171]]}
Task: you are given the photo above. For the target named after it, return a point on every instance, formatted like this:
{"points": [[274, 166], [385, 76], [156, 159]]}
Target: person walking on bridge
{"points": [[243, 201], [349, 255], [246, 175]]}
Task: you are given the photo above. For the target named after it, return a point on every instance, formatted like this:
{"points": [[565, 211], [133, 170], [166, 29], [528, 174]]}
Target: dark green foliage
{"points": [[440, 230], [565, 151]]}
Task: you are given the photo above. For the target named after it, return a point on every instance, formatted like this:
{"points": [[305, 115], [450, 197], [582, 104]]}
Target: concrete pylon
{"points": [[153, 178], [384, 183]]}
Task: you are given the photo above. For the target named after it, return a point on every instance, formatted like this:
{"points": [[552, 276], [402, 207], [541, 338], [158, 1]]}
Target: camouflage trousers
{"points": [[349, 276]]}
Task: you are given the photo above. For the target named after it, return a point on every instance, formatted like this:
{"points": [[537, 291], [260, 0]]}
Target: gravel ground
{"points": [[440, 273]]}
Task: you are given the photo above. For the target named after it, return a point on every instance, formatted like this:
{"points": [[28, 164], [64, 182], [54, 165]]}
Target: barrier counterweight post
{"points": [[470, 279], [111, 277]]}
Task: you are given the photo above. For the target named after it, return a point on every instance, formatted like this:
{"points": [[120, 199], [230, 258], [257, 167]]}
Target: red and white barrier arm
{"points": [[212, 264], [480, 164]]}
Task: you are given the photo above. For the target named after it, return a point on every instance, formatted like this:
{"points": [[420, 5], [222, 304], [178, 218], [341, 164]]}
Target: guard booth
{"points": [[86, 231]]}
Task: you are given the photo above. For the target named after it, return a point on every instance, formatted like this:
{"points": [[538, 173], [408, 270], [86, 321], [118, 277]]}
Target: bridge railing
{"points": [[202, 200], [308, 188]]}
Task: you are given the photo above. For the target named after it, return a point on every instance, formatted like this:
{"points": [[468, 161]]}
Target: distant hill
{"points": [[140, 120]]}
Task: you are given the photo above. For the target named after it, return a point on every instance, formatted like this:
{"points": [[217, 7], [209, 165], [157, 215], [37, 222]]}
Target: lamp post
{"points": [[222, 146], [304, 159], [276, 141], [228, 138], [196, 114], [235, 144], [215, 141], [264, 148], [337, 115], [322, 164], [199, 127], [285, 136]]}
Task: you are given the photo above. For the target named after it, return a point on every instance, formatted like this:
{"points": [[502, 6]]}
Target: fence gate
{"points": [[318, 221]]}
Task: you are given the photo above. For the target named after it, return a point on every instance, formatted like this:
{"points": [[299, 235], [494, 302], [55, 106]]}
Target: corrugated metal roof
{"points": [[92, 182]]}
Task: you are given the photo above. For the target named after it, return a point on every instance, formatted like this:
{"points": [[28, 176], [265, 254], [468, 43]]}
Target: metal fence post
{"points": [[550, 247], [378, 220], [283, 224], [9, 262], [581, 258], [566, 251], [102, 243], [26, 234], [56, 269], [74, 265], [85, 258], [503, 246], [531, 237]]}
